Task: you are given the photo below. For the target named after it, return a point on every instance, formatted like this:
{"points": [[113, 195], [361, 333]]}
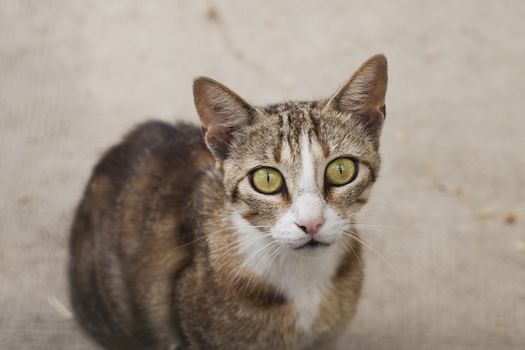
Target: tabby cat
{"points": [[236, 236]]}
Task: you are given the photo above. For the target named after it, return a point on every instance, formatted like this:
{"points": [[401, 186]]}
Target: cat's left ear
{"points": [[221, 112], [363, 96]]}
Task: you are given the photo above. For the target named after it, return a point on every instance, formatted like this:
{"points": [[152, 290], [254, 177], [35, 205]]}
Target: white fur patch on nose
{"points": [[308, 210], [308, 207], [307, 183]]}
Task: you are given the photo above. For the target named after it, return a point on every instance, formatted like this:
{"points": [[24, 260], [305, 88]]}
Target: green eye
{"points": [[267, 180], [341, 171]]}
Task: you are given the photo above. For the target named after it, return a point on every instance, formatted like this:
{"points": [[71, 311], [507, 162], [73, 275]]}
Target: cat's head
{"points": [[298, 171]]}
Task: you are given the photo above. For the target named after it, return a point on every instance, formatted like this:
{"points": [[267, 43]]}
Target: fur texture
{"points": [[173, 247]]}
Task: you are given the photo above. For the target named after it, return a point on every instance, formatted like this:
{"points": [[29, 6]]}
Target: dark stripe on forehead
{"points": [[278, 147], [316, 129], [308, 126], [287, 133], [293, 129], [286, 127], [296, 127], [294, 118], [313, 131]]}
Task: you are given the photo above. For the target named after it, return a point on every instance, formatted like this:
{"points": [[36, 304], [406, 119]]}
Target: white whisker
{"points": [[354, 235]]}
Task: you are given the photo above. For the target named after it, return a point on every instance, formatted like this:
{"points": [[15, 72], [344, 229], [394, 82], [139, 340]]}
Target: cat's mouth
{"points": [[312, 244]]}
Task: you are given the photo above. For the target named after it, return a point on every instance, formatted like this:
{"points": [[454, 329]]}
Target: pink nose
{"points": [[311, 225]]}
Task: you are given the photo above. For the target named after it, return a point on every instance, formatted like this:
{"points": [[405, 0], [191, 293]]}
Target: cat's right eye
{"points": [[266, 180]]}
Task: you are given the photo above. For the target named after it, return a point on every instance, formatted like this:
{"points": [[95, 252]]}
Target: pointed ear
{"points": [[221, 112], [364, 94]]}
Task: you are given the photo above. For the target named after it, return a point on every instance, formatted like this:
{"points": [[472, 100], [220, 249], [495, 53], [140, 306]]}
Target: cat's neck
{"points": [[304, 278]]}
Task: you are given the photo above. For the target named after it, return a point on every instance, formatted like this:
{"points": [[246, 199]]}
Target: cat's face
{"points": [[297, 172], [316, 165]]}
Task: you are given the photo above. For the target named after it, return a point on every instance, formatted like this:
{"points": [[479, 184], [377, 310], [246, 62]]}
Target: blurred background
{"points": [[447, 219]]}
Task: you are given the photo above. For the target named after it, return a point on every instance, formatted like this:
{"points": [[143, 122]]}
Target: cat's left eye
{"points": [[341, 171], [267, 180]]}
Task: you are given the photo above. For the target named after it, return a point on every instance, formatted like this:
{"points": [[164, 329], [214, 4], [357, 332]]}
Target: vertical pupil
{"points": [[340, 168], [267, 177]]}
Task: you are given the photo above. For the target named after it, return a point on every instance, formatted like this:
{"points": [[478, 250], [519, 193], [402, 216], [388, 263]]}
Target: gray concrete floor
{"points": [[447, 216]]}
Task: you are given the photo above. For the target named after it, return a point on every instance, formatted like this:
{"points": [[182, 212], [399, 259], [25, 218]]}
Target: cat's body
{"points": [[172, 248]]}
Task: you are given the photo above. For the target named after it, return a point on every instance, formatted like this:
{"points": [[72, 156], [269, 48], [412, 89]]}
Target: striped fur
{"points": [[172, 248]]}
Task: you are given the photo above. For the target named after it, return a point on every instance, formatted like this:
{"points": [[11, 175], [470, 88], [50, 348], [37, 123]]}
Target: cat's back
{"points": [[130, 233], [153, 147], [156, 161]]}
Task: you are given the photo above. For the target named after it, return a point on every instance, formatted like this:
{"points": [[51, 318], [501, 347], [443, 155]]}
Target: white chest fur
{"points": [[302, 277]]}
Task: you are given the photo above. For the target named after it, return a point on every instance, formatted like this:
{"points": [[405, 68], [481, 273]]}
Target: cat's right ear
{"points": [[221, 112]]}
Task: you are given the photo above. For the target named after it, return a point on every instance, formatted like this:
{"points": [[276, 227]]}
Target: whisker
{"points": [[206, 234], [235, 244], [369, 209], [275, 254], [353, 235], [259, 263], [241, 266], [215, 222], [397, 228], [354, 253]]}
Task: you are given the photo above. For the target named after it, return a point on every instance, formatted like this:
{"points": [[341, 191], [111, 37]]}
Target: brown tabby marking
{"points": [[162, 240]]}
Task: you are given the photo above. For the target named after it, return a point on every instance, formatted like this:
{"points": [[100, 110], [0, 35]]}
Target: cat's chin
{"points": [[312, 245]]}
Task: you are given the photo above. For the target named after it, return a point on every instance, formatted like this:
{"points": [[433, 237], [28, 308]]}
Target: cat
{"points": [[235, 235]]}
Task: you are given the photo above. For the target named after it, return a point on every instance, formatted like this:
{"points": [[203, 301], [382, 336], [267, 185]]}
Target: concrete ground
{"points": [[447, 268]]}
